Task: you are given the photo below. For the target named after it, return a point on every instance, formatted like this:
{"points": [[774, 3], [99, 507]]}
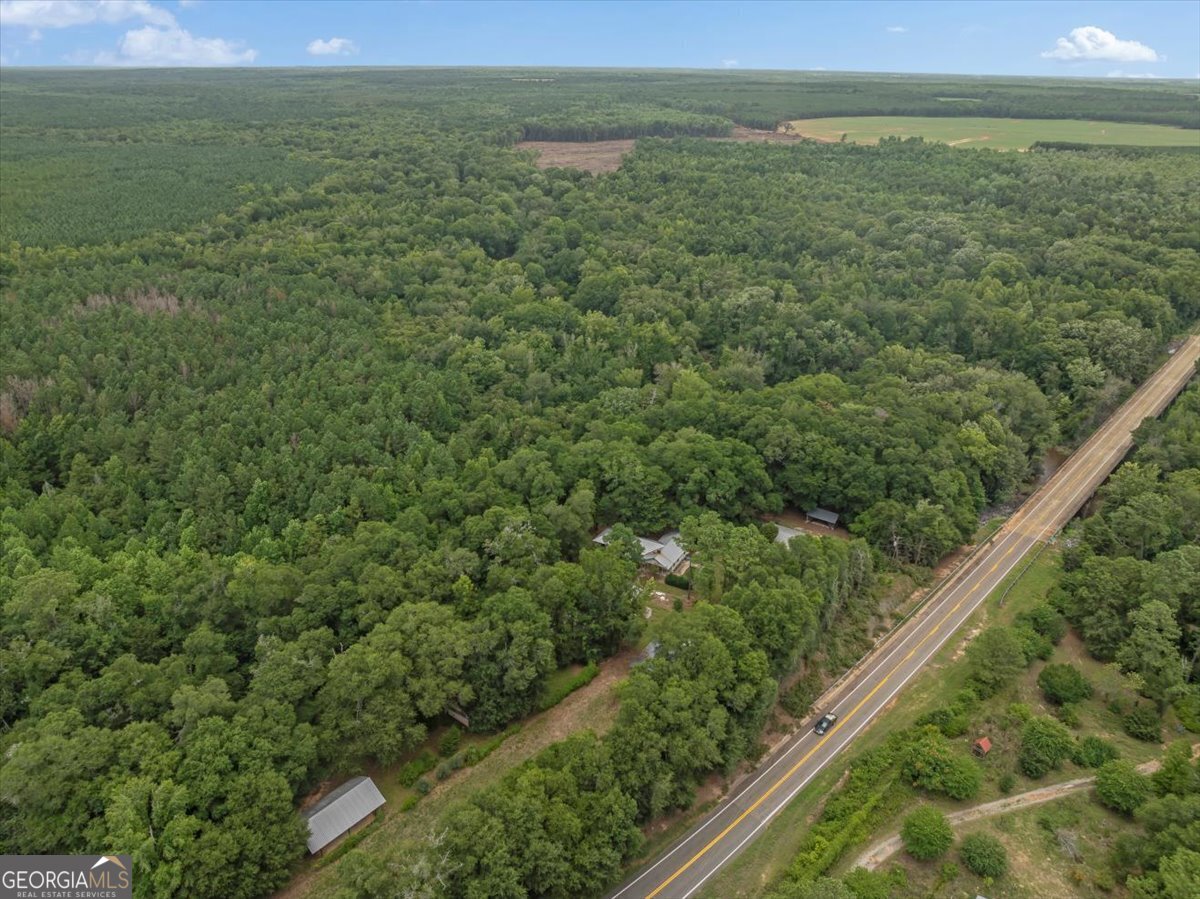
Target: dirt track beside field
{"points": [[873, 857]]}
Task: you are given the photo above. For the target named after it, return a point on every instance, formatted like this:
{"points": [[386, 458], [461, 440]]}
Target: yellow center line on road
{"points": [[784, 777], [778, 783], [1041, 514]]}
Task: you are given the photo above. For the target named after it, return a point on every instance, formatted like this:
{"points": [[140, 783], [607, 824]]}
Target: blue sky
{"points": [[1130, 39]]}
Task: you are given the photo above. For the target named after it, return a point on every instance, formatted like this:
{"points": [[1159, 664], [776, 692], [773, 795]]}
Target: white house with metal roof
{"points": [[341, 811], [666, 553]]}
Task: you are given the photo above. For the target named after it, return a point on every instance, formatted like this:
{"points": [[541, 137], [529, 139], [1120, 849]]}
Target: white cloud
{"points": [[1090, 42], [1119, 74], [68, 13], [896, 29], [335, 46], [159, 42], [729, 63], [175, 47]]}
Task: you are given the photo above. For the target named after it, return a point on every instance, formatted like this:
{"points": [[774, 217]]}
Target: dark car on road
{"points": [[826, 722]]}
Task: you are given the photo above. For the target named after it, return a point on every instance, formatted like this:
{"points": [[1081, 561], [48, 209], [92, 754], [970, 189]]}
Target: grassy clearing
{"points": [[1039, 866], [996, 134], [946, 675]]}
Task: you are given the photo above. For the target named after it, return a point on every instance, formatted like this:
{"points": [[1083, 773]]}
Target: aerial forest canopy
{"points": [[313, 391]]}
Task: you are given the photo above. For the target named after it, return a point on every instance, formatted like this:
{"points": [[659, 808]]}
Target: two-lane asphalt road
{"points": [[687, 866]]}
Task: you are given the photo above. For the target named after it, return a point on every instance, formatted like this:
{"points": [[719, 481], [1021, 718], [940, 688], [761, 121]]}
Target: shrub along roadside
{"points": [[926, 834], [1121, 786], [875, 790], [984, 855], [412, 770], [935, 765], [1045, 745], [1063, 684], [798, 699]]}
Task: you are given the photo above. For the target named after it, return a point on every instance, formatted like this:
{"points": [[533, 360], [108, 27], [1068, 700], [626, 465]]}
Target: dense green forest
{"points": [[305, 428], [1132, 586]]}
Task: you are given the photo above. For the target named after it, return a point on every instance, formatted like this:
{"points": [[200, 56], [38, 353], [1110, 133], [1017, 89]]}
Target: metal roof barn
{"points": [[822, 515], [341, 810]]}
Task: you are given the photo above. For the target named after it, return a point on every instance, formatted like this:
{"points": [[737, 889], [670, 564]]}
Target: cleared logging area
{"points": [[603, 156]]}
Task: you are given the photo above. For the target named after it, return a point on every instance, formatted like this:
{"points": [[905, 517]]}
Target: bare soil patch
{"points": [[952, 560], [754, 135], [598, 157], [603, 156], [795, 519]]}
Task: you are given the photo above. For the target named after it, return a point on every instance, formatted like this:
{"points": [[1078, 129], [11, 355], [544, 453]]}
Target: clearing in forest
{"points": [[602, 156], [997, 134], [598, 156]]}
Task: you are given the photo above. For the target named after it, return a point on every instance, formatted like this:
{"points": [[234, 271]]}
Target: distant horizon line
{"points": [[727, 70]]}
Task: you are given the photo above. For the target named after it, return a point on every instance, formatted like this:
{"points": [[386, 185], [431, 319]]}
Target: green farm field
{"points": [[997, 134]]}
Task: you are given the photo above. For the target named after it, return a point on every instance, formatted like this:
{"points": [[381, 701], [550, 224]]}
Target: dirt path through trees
{"points": [[591, 707], [876, 855]]}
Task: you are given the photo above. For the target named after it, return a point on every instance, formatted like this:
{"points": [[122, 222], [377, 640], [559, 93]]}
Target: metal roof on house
{"points": [[649, 547], [341, 810], [669, 553], [665, 552], [823, 515]]}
